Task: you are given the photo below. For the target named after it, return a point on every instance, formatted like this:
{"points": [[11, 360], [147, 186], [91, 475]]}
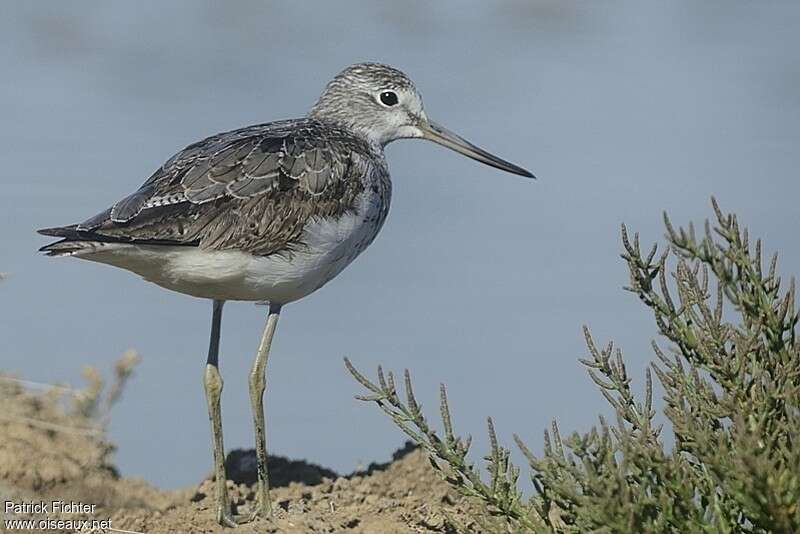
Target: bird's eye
{"points": [[388, 98]]}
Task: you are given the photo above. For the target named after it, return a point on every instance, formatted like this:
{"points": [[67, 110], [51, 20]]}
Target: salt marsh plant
{"points": [[90, 402], [728, 369]]}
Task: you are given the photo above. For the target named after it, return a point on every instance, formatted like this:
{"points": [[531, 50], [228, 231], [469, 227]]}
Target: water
{"points": [[479, 279]]}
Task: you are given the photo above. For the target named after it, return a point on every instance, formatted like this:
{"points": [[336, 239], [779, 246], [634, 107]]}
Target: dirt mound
{"points": [[48, 453]]}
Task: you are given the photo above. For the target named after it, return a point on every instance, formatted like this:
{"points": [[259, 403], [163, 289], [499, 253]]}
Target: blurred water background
{"points": [[480, 279]]}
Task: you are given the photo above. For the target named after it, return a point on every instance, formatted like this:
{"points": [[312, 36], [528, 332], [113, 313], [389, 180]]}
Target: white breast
{"points": [[329, 245]]}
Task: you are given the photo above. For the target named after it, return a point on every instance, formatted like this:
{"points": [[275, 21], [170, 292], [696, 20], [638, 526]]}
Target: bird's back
{"points": [[278, 189], [251, 189]]}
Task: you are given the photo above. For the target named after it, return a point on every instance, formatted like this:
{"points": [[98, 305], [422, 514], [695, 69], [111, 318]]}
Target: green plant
{"points": [[731, 395], [90, 403]]}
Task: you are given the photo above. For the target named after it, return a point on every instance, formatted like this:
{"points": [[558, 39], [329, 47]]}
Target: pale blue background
{"points": [[479, 279]]}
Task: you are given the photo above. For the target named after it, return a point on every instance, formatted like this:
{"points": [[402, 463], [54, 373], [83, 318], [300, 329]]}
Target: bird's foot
{"points": [[259, 514], [262, 510], [226, 519]]}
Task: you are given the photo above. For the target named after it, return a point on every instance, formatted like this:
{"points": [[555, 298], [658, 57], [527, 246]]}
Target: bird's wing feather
{"points": [[252, 189]]}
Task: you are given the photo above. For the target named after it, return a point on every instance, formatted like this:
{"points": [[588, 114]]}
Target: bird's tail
{"points": [[74, 241], [67, 247]]}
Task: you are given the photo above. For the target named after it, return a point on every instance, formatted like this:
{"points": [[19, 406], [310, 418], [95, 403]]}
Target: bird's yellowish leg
{"points": [[258, 383], [213, 386]]}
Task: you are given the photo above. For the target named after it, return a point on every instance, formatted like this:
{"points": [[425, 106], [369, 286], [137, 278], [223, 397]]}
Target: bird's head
{"points": [[382, 104]]}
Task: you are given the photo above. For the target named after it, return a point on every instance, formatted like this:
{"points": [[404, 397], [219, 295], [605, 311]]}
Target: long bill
{"points": [[441, 135]]}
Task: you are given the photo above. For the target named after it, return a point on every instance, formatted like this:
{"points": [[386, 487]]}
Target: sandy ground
{"points": [[47, 453]]}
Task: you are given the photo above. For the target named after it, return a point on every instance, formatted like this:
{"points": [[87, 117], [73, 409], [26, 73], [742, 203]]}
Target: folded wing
{"points": [[251, 189]]}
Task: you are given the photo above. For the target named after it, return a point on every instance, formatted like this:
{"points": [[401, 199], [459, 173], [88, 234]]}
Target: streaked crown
{"points": [[374, 100]]}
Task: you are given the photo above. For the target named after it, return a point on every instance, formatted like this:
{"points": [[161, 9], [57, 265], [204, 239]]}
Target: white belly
{"points": [[329, 246]]}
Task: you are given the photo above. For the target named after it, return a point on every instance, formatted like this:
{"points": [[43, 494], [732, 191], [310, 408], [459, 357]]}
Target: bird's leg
{"points": [[258, 383], [213, 386]]}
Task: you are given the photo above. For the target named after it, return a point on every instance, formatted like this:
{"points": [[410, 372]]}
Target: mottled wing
{"points": [[242, 169], [252, 189]]}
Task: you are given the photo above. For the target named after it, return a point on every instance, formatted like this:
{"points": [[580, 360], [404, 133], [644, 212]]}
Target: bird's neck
{"points": [[375, 143]]}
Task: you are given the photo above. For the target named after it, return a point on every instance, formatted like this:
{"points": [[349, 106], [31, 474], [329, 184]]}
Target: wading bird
{"points": [[269, 213]]}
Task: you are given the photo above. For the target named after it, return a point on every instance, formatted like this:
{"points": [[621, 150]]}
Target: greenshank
{"points": [[268, 213]]}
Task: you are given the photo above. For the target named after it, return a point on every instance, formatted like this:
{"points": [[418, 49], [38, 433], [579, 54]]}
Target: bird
{"points": [[266, 213]]}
